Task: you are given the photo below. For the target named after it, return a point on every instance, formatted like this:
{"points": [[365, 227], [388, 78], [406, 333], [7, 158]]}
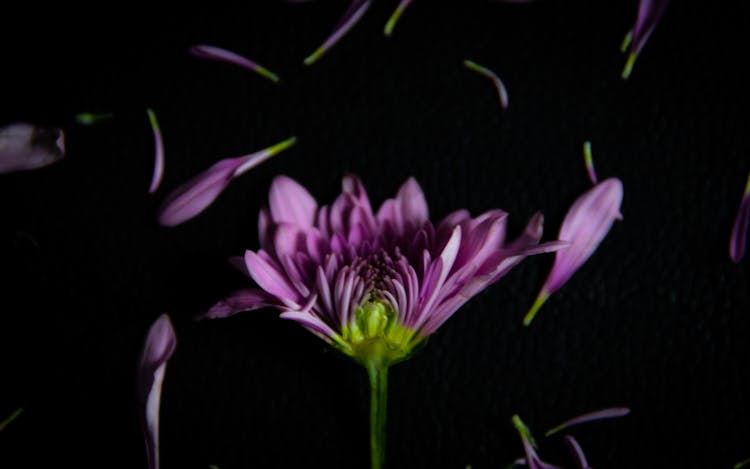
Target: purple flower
{"points": [[356, 9], [25, 146], [159, 346], [587, 222], [357, 278], [739, 230], [194, 196], [649, 15]]}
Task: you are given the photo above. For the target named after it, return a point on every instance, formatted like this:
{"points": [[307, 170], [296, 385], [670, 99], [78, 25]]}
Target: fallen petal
{"points": [[739, 230], [395, 16], [575, 448], [16, 413], [25, 146], [355, 11], [217, 53], [159, 347], [194, 196], [501, 90], [529, 446], [609, 413], [589, 161], [650, 13], [158, 152]]}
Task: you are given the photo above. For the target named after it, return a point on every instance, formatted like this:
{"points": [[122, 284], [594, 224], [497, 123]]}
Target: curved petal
{"points": [[271, 279], [738, 239], [289, 202], [216, 53], [352, 14], [246, 299]]}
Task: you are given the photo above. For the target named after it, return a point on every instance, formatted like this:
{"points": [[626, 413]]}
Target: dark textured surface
{"points": [[656, 320]]}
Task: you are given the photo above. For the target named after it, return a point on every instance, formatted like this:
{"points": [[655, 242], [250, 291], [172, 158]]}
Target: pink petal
{"points": [[216, 53], [159, 347], [589, 161], [25, 146], [355, 11], [739, 230], [650, 13], [585, 225], [499, 85], [290, 202], [532, 459], [191, 198], [158, 152], [412, 203], [575, 448], [609, 413], [246, 299], [270, 278]]}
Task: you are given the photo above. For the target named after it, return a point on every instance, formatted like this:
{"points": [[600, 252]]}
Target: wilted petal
{"points": [[25, 146], [649, 15], [194, 196], [289, 202], [609, 413], [159, 346], [355, 11], [395, 16], [587, 222], [575, 448], [217, 53], [499, 85], [739, 230], [158, 152]]}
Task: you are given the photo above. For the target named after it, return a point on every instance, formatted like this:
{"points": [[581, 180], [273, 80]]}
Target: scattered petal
{"points": [[25, 146], [216, 53], [194, 196], [501, 91], [395, 17], [575, 448], [158, 152], [649, 15], [159, 347], [355, 11], [739, 231], [90, 118], [609, 413], [586, 224], [742, 464], [529, 446], [16, 413], [589, 160]]}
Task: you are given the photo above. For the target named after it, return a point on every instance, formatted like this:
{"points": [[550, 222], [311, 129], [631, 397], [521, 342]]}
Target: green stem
{"points": [[378, 374]]}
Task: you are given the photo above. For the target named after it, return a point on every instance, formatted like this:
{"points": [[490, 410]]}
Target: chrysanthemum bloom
{"points": [[374, 285]]}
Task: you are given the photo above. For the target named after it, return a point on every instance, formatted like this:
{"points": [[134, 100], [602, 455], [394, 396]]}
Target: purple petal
{"points": [[271, 279], [532, 459], [246, 299], [739, 230], [499, 85], [587, 222], [578, 455], [216, 53], [355, 11], [158, 152], [25, 146], [650, 13], [289, 202], [609, 413], [589, 161], [194, 196], [413, 203], [395, 17], [159, 347]]}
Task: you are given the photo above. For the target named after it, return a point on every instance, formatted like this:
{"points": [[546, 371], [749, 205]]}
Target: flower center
{"points": [[375, 334]]}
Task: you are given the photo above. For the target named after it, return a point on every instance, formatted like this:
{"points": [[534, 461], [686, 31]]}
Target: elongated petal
{"points": [[14, 415], [486, 72], [395, 16], [217, 53], [738, 239], [609, 413], [194, 196], [25, 146], [355, 11], [246, 299], [158, 152], [650, 13], [529, 446], [587, 222], [289, 202], [159, 347], [575, 448], [589, 161]]}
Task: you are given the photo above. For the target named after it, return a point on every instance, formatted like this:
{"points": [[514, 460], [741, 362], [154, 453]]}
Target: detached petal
{"points": [[486, 72], [609, 413], [158, 152], [355, 11], [217, 53], [246, 299], [529, 446], [587, 222], [194, 196], [575, 448], [650, 13], [159, 347], [395, 16], [739, 230], [25, 146]]}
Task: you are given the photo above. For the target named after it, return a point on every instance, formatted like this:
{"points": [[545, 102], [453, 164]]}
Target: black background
{"points": [[656, 320]]}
